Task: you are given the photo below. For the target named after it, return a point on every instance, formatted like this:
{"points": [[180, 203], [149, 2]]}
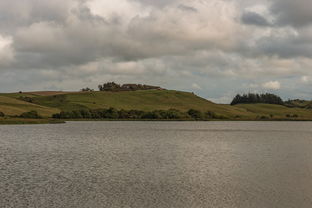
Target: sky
{"points": [[214, 48]]}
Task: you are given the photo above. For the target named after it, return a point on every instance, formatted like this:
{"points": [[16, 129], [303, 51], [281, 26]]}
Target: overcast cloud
{"points": [[216, 48]]}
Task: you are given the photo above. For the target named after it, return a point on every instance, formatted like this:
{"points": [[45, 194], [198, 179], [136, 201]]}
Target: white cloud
{"points": [[196, 86], [306, 79], [6, 50], [272, 85]]}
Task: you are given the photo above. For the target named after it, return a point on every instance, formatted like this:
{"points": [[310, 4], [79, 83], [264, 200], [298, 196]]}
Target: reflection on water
{"points": [[157, 164]]}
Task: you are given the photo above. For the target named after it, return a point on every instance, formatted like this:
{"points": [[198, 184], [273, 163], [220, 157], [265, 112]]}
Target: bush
{"points": [[263, 117], [151, 115], [292, 116], [2, 114], [30, 114], [213, 115], [195, 114]]}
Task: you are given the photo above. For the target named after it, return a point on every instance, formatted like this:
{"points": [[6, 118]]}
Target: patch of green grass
{"points": [[11, 106], [17, 95], [148, 100], [299, 104], [277, 111]]}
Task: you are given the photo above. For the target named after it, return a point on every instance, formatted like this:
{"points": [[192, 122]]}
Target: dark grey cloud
{"points": [[289, 12], [285, 47], [187, 8], [15, 13], [252, 18]]}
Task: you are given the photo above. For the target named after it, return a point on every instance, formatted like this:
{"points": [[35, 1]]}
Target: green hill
{"points": [[12, 106], [48, 103], [146, 100]]}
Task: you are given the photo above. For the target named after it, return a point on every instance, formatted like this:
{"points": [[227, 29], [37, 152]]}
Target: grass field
{"points": [[148, 100], [48, 103], [278, 111], [11, 106]]}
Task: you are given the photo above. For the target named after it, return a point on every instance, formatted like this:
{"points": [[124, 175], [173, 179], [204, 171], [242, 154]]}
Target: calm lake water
{"points": [[157, 164]]}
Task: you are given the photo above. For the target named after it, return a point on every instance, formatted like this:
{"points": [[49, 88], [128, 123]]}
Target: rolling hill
{"points": [[48, 103], [12, 106]]}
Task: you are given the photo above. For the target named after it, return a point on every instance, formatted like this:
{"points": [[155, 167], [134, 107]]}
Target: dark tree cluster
{"points": [[113, 113], [31, 114], [257, 98], [112, 86], [2, 114], [87, 89], [109, 86]]}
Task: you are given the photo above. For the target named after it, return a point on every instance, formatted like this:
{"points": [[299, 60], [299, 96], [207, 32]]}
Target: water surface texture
{"points": [[157, 164]]}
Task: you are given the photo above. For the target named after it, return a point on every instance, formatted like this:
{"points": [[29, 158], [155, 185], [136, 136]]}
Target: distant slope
{"points": [[278, 111], [299, 104], [48, 103], [146, 100], [12, 106]]}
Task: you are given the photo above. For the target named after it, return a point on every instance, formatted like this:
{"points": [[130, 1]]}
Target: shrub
{"points": [[2, 114], [263, 117], [213, 115], [111, 113], [30, 114], [292, 116], [195, 114], [151, 115]]}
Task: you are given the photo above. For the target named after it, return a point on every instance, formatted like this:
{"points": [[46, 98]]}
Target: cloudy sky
{"points": [[215, 48]]}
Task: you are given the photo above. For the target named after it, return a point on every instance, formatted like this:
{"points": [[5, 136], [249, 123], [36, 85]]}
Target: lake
{"points": [[157, 164]]}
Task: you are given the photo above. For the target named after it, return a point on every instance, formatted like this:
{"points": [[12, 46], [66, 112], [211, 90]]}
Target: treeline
{"points": [[112, 86], [113, 113], [257, 98], [87, 89], [30, 114]]}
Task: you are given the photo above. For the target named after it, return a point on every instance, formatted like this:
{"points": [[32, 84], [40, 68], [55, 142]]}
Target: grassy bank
{"points": [[15, 121]]}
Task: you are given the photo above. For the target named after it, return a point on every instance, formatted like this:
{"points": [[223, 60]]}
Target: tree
{"points": [[2, 114], [100, 87], [109, 86], [87, 89]]}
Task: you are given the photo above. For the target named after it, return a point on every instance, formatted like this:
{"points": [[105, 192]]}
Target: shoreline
{"points": [[18, 121]]}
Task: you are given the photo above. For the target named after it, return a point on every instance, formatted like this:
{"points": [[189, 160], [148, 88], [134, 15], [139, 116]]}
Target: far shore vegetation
{"points": [[115, 101]]}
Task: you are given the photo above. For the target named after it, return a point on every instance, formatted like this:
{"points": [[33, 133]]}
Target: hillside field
{"points": [[48, 103]]}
